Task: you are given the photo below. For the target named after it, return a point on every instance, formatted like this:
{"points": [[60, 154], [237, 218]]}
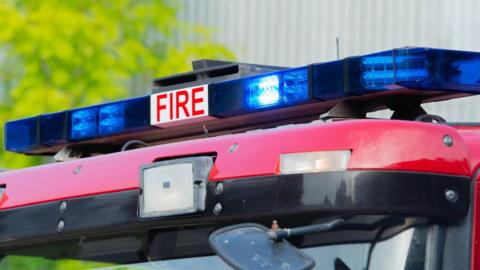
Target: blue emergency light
{"points": [[268, 91], [407, 68], [111, 118], [76, 125]]}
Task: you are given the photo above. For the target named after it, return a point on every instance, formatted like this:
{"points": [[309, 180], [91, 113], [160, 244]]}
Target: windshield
{"points": [[405, 250]]}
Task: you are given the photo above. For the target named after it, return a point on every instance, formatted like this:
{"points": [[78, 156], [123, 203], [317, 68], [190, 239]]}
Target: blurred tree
{"points": [[60, 54]]}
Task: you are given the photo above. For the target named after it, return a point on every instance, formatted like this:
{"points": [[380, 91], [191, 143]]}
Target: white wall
{"points": [[293, 33]]}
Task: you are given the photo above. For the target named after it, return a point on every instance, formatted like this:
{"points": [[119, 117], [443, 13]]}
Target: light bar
{"points": [[433, 72]]}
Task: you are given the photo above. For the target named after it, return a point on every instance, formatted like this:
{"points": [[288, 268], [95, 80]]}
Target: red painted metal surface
{"points": [[471, 136], [375, 145], [476, 227]]}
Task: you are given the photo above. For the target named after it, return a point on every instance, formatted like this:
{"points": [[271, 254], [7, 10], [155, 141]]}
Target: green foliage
{"points": [[26, 263], [61, 54]]}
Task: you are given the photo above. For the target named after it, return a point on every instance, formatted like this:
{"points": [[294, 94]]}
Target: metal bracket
{"points": [[67, 153], [210, 71], [404, 108], [406, 111], [346, 109]]}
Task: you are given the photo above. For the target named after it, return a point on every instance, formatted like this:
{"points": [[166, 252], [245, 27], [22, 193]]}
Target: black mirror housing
{"points": [[248, 246]]}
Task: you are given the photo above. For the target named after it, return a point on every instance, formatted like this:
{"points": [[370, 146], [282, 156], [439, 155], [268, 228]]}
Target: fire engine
{"points": [[246, 166]]}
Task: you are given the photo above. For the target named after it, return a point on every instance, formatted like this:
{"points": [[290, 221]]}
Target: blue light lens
{"points": [[263, 92], [112, 118], [21, 135], [281, 89], [53, 129], [329, 80], [83, 123], [79, 124], [387, 62], [378, 79], [136, 114], [465, 71], [411, 68], [295, 86], [382, 70]]}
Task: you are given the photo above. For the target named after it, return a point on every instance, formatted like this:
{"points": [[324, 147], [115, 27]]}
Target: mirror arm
{"points": [[281, 234]]}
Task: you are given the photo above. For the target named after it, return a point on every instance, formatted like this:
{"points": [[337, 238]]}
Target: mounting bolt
{"points": [[275, 227], [63, 207], [233, 148], [219, 188], [447, 140], [217, 209], [77, 169], [451, 195], [60, 226]]}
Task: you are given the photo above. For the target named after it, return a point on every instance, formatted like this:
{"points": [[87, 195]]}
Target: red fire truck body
{"points": [[416, 170], [423, 151]]}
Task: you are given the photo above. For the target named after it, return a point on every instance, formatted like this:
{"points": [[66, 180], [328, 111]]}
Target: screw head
{"points": [[63, 206], [448, 140], [217, 209], [451, 195], [60, 226], [219, 188], [77, 169], [233, 148]]}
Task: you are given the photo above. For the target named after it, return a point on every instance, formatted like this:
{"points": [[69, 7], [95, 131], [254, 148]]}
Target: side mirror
{"points": [[248, 246]]}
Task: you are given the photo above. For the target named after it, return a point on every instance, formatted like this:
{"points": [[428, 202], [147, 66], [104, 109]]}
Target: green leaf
{"points": [[62, 54]]}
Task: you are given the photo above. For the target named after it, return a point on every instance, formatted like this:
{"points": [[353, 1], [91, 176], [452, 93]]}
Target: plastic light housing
{"points": [[21, 135], [268, 91], [84, 123], [168, 190], [310, 162], [263, 92], [174, 187], [382, 70], [412, 68], [48, 130], [295, 86], [52, 129], [298, 94], [109, 119]]}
